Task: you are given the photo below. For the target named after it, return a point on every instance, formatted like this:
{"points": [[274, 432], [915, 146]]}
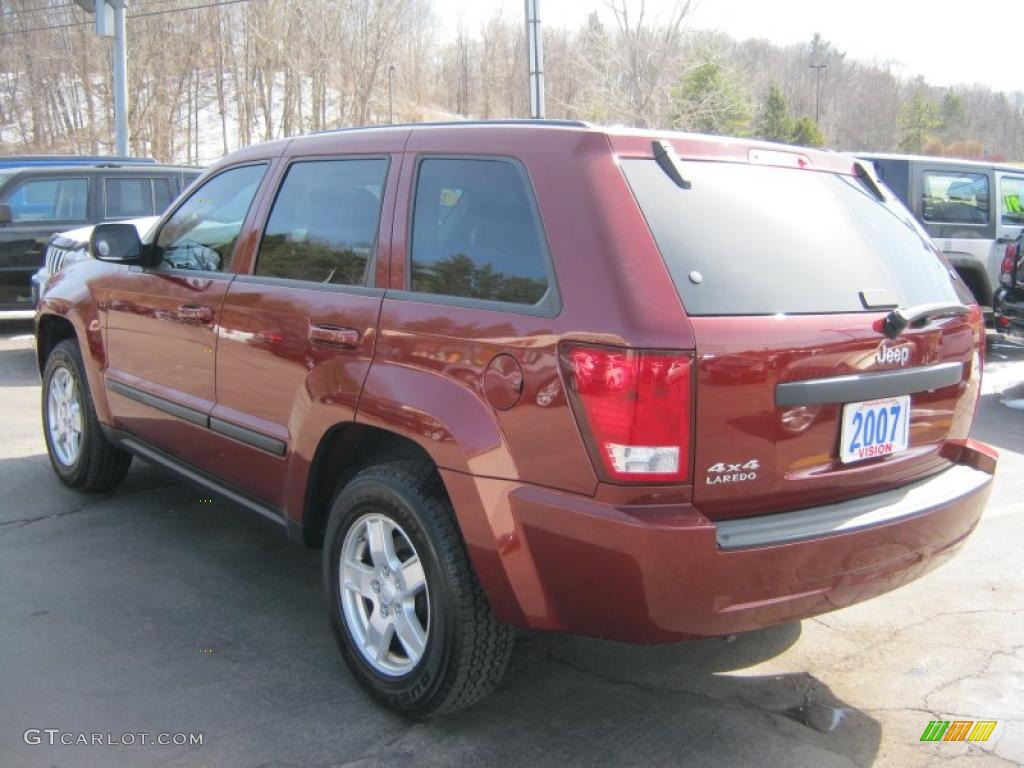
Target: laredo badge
{"points": [[732, 473]]}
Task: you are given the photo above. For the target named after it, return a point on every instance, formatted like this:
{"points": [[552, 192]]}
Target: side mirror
{"points": [[6, 214], [117, 243]]}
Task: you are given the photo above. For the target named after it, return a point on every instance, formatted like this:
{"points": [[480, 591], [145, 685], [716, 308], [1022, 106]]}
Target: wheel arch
{"points": [[343, 451], [60, 321], [50, 331]]}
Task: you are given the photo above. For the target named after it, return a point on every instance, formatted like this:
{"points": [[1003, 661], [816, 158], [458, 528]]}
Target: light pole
{"points": [[110, 16], [121, 80], [535, 59], [391, 97], [817, 89]]}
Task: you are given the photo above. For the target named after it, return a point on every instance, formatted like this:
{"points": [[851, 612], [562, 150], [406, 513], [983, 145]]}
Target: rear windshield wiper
{"points": [[899, 319], [865, 178], [669, 162]]}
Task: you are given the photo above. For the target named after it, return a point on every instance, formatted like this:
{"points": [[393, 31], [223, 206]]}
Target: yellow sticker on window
{"points": [[450, 197]]}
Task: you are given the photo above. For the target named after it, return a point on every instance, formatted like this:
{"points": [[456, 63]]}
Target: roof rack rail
{"points": [[443, 123]]}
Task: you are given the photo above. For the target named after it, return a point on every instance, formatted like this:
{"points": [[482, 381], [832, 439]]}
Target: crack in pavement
{"points": [[10, 525], [985, 668], [774, 717], [383, 748]]}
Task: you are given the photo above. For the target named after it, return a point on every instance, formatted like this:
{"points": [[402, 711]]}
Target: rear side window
{"points": [[475, 232], [759, 240], [50, 200], [128, 198], [955, 198], [323, 226], [1012, 191], [161, 195]]}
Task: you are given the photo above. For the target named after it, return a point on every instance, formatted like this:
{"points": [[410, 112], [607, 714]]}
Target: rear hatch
{"points": [[787, 274]]}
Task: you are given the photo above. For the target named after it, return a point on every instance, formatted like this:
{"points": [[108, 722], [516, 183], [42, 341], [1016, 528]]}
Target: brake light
{"points": [[1009, 260], [635, 404]]}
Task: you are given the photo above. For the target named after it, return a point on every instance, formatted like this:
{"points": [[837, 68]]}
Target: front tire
{"points": [[407, 611], [81, 455]]}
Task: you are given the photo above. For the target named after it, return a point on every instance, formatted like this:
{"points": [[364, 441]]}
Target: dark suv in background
{"points": [[37, 201]]}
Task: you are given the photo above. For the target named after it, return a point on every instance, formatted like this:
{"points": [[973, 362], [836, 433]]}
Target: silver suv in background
{"points": [[972, 210]]}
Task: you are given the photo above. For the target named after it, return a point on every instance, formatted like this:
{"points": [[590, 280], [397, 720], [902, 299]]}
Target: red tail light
{"points": [[1009, 260], [636, 406]]}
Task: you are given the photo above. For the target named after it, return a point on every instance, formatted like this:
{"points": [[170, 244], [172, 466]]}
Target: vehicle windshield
{"points": [[760, 240]]}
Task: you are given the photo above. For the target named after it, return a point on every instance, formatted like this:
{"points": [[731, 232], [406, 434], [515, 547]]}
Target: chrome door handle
{"points": [[195, 313], [334, 336]]}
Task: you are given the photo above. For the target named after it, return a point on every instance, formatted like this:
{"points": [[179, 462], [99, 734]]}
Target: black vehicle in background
{"points": [[39, 201], [1009, 298]]}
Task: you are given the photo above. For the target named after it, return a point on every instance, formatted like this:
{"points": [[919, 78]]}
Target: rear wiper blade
{"points": [[669, 162], [865, 178], [899, 319]]}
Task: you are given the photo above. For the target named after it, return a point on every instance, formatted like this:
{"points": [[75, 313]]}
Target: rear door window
{"points": [[760, 240], [50, 200], [475, 232], [323, 226], [955, 198]]}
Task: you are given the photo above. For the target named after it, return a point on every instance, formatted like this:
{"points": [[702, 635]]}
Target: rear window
{"points": [[759, 240]]}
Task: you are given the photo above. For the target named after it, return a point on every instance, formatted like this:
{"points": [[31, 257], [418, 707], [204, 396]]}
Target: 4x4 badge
{"points": [[732, 473]]}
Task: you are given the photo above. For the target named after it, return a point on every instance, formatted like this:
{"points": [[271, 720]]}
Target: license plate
{"points": [[875, 428]]}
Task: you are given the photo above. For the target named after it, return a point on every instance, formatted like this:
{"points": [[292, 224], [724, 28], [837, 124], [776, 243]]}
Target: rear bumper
{"points": [[1009, 312], [664, 573]]}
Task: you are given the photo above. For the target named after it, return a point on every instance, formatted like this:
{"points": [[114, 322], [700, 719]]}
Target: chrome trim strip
{"points": [[868, 386], [917, 498], [248, 436], [190, 415]]}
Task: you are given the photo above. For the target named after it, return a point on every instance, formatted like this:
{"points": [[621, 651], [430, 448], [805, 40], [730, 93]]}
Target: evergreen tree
{"points": [[806, 133], [776, 123], [708, 99], [954, 118], [918, 117]]}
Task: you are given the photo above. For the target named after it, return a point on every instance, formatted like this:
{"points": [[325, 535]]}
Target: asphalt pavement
{"points": [[151, 611]]}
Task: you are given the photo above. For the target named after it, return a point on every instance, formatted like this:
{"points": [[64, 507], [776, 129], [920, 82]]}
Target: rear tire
{"points": [[463, 650], [81, 455]]}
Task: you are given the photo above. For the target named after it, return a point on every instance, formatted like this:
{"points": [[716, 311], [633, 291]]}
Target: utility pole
{"points": [[535, 59], [120, 79], [391, 97], [817, 89], [110, 23]]}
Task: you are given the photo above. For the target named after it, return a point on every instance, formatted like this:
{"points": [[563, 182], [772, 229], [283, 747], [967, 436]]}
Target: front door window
{"points": [[201, 235]]}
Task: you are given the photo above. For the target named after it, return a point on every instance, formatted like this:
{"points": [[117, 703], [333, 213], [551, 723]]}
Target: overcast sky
{"points": [[947, 41]]}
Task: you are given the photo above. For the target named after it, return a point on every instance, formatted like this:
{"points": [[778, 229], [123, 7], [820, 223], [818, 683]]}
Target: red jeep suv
{"points": [[636, 385]]}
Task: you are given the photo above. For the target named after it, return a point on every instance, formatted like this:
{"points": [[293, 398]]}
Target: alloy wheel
{"points": [[384, 597], [64, 416]]}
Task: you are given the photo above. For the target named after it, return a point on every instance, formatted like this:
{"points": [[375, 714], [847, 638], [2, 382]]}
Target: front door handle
{"points": [[334, 336], [195, 313]]}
